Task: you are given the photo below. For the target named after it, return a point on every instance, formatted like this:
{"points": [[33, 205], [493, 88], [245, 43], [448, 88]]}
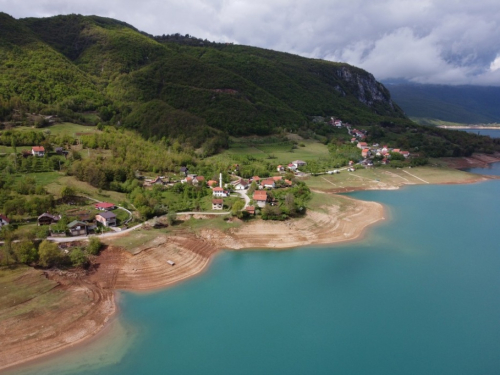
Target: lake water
{"points": [[493, 133], [419, 295]]}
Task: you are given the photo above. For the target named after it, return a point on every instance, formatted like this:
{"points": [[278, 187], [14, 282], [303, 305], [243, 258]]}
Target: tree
{"points": [[94, 246], [67, 193], [237, 207], [171, 217], [49, 254], [25, 251], [78, 257]]}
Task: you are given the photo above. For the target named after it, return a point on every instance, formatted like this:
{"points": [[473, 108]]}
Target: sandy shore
{"points": [[88, 301]]}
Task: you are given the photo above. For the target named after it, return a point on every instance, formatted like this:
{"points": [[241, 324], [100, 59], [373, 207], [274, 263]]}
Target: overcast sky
{"points": [[426, 41]]}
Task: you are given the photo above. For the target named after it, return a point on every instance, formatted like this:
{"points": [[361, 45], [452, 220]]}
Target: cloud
{"points": [[428, 41]]}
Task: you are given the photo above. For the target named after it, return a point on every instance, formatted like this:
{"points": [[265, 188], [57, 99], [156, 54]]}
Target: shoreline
{"points": [[193, 254], [469, 127], [145, 271]]}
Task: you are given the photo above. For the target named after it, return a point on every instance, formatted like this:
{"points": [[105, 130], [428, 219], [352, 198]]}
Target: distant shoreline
{"points": [[479, 127]]}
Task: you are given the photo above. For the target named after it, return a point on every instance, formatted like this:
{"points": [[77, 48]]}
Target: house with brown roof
{"points": [[217, 204], [260, 198], [106, 218], [38, 151], [48, 219], [212, 183], [241, 184]]}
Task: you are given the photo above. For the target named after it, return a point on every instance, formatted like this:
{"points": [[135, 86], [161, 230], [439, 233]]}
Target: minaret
{"points": [[220, 180]]}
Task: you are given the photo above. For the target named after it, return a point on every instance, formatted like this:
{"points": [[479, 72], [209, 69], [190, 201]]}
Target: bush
{"points": [[49, 254], [94, 246], [78, 258]]}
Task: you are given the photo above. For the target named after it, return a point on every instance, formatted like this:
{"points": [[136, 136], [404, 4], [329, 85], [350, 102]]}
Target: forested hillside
{"points": [[461, 104], [94, 70]]}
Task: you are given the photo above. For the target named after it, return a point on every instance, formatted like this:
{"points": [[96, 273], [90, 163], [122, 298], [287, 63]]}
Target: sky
{"points": [[425, 41]]}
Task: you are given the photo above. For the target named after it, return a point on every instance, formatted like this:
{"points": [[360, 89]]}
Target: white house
{"points": [[241, 184], [38, 151], [299, 163], [219, 192], [4, 220]]}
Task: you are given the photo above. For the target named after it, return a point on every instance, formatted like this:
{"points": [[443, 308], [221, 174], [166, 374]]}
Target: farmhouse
{"points": [[38, 151], [108, 219]]}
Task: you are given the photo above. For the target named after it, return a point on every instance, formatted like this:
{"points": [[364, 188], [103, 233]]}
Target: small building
{"points": [[260, 198], [184, 171], [48, 219], [250, 210], [104, 206], [77, 228], [4, 220], [365, 152], [212, 183], [217, 204], [280, 168], [299, 163], [255, 179], [38, 151], [277, 178], [157, 181], [406, 154], [292, 167], [108, 219]]}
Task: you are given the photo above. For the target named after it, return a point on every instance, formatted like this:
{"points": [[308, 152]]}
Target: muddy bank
{"points": [[84, 302], [473, 161]]}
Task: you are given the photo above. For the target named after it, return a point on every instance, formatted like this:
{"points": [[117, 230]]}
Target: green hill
{"points": [[460, 104], [91, 69]]}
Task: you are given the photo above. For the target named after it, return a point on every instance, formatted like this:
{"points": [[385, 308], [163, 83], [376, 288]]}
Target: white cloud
{"points": [[433, 41]]}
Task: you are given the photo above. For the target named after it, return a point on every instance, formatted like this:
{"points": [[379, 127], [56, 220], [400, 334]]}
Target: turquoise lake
{"points": [[420, 294]]}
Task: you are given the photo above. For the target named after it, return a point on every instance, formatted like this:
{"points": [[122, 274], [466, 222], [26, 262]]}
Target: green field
{"points": [[276, 152], [64, 128]]}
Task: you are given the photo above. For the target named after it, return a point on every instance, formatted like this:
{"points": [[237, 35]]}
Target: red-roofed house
{"points": [[256, 178], [38, 151], [268, 183], [104, 206], [365, 152], [219, 192], [277, 178], [292, 167], [362, 145], [212, 183], [250, 210], [405, 153], [280, 168], [396, 150], [260, 198], [4, 220]]}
